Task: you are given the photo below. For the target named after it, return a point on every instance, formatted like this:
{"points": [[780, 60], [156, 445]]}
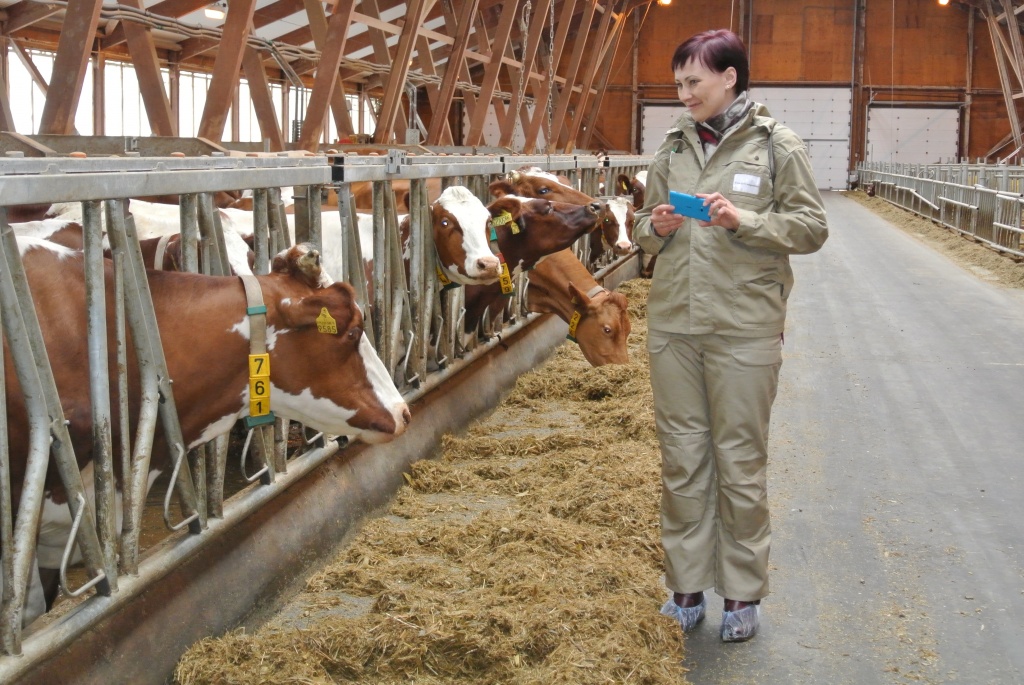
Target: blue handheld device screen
{"points": [[689, 205]]}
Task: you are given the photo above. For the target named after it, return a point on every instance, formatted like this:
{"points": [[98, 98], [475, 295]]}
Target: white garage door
{"points": [[922, 135], [821, 116]]}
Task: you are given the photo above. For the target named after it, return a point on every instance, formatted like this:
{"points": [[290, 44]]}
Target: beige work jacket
{"points": [[710, 279]]}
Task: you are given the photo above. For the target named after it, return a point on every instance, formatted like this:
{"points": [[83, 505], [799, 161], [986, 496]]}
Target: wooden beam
{"points": [[570, 75], [326, 75], [225, 70], [73, 50], [597, 54], [456, 61], [381, 51], [1004, 79], [417, 9], [147, 68], [1013, 28], [565, 20], [339, 104], [532, 39], [6, 118], [30, 66], [25, 13], [491, 72], [262, 101], [602, 84], [425, 61]]}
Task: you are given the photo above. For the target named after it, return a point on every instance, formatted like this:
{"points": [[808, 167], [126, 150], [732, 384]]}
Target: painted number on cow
{"points": [[325, 323]]}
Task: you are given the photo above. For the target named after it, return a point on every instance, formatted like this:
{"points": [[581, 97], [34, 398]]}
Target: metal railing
{"points": [[415, 327], [980, 201]]}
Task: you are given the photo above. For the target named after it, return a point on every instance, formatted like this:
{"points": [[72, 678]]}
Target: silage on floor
{"points": [[527, 552]]}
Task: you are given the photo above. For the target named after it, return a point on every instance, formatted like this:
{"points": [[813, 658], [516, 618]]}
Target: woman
{"points": [[716, 313]]}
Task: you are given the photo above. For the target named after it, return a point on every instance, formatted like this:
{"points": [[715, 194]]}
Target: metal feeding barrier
{"points": [[415, 326], [979, 201]]}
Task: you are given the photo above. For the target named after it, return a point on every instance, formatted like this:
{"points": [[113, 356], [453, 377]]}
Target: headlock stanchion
{"points": [[415, 325]]}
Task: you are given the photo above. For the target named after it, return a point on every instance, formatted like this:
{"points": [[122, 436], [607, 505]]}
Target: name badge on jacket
{"points": [[746, 183]]}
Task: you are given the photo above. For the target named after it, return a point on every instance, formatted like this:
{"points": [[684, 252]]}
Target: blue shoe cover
{"points": [[688, 617], [741, 625]]}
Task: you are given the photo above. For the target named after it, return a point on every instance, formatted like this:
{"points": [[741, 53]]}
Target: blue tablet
{"points": [[689, 205]]}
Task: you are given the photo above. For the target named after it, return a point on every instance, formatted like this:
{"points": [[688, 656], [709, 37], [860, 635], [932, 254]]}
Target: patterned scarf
{"points": [[712, 131]]}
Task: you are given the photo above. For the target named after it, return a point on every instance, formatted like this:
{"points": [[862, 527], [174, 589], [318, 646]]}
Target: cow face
{"points": [[460, 222], [617, 225], [324, 372], [528, 229], [604, 326]]}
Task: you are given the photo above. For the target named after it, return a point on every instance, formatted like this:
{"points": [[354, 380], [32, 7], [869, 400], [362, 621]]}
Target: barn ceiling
{"points": [[450, 50]]}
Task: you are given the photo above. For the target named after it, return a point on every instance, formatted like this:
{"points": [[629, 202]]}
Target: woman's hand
{"points": [[664, 220], [723, 213]]}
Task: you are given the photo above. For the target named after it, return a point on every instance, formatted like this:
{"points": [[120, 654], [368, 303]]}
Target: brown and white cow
{"points": [[535, 182], [616, 224], [635, 187], [561, 285], [331, 381], [538, 228]]}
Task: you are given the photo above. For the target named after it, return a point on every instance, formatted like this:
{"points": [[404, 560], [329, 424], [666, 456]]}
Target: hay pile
{"points": [[528, 552]]}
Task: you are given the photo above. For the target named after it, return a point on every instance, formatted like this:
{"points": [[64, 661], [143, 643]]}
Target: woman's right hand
{"points": [[664, 220]]}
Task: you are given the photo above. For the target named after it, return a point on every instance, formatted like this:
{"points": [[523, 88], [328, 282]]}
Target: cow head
{"points": [[533, 182], [617, 225], [528, 229], [635, 187], [604, 326], [324, 372], [460, 222]]}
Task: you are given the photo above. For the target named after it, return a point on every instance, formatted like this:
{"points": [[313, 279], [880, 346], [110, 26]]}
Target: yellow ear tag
{"points": [[442, 276], [504, 218], [325, 323]]}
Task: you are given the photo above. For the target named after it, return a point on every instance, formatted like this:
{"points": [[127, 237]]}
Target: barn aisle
{"points": [[896, 474]]}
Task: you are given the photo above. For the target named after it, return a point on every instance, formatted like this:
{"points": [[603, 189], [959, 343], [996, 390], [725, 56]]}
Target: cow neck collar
{"points": [[577, 315], [256, 310]]}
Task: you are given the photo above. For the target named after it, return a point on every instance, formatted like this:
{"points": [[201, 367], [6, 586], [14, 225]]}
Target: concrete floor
{"points": [[896, 475]]}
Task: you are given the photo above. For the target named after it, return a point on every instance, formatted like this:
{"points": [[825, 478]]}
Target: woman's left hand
{"points": [[723, 213]]}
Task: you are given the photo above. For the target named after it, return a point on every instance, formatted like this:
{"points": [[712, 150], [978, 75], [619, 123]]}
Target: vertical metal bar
{"points": [[381, 291], [216, 465], [128, 496], [9, 634], [419, 237], [99, 385], [214, 258], [261, 231], [149, 351], [315, 231], [188, 210], [301, 216], [278, 225]]}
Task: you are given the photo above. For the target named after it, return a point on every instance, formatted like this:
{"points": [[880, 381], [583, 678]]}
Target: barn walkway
{"points": [[896, 475]]}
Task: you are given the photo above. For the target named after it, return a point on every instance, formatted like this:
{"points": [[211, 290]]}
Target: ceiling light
{"points": [[664, 3], [943, 2], [214, 11]]}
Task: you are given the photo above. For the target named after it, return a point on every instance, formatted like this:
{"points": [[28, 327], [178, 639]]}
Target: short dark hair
{"points": [[717, 50]]}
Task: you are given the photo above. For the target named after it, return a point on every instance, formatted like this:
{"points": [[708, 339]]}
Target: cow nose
{"points": [[595, 207], [488, 264], [622, 247], [406, 416]]}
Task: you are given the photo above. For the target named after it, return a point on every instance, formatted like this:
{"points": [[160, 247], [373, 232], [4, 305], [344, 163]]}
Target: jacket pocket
{"points": [[748, 185], [758, 294]]}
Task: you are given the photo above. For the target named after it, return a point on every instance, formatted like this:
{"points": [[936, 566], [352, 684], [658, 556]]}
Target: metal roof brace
{"points": [[262, 422]]}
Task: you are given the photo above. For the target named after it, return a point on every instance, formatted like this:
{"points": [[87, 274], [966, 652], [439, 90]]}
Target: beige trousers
{"points": [[713, 396]]}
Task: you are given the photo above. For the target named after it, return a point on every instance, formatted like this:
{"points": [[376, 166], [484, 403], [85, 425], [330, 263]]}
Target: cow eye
{"points": [[354, 334], [444, 222], [543, 191], [607, 330]]}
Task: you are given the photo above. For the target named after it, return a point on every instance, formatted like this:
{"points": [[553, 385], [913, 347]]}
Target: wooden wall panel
{"points": [[929, 48]]}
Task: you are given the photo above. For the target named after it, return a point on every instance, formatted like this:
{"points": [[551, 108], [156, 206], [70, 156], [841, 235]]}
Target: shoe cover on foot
{"points": [[688, 617], [742, 624]]}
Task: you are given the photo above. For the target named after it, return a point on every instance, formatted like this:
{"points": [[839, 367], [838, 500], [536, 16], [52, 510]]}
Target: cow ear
{"points": [[578, 296], [501, 187], [332, 310], [624, 184], [505, 204]]}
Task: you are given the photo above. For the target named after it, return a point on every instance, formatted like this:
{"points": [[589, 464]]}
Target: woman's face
{"points": [[705, 92]]}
